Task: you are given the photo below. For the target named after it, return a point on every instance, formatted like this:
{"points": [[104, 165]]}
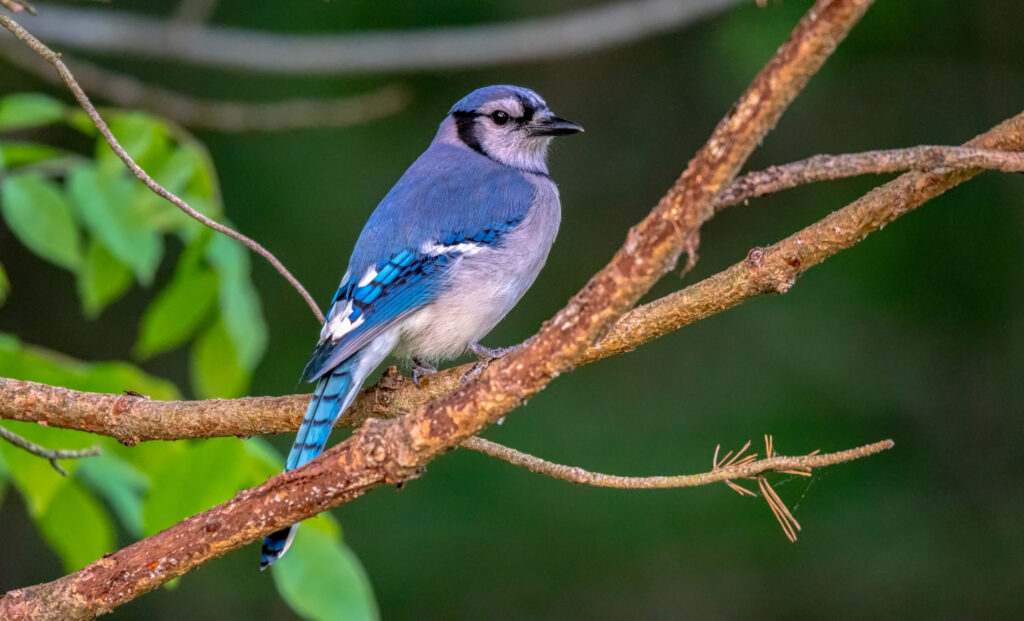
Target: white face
{"points": [[501, 129]]}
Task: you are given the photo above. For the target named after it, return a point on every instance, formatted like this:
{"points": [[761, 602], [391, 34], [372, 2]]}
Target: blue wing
{"points": [[395, 287], [404, 282], [450, 202]]}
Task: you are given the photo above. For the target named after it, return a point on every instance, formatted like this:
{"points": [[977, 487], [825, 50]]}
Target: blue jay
{"points": [[447, 253]]}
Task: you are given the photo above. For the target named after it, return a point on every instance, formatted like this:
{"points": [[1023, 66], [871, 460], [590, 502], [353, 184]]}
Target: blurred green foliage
{"points": [[915, 334], [102, 226], [91, 217]]}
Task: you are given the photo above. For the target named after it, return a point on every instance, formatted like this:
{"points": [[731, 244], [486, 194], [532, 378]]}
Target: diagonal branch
{"points": [[396, 450], [774, 269], [54, 59], [131, 420]]}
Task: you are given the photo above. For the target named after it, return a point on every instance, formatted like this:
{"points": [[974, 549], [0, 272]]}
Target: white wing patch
{"points": [[465, 248], [340, 324], [367, 277]]}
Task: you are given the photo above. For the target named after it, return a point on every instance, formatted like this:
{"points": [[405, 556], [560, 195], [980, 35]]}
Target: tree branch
{"points": [[17, 6], [774, 269], [224, 116], [50, 455], [569, 34], [131, 419], [748, 468], [827, 167], [396, 450], [54, 59]]}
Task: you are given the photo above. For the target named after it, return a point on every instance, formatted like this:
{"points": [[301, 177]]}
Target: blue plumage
{"points": [[446, 254]]}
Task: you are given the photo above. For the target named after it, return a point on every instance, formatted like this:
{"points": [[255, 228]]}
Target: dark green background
{"points": [[915, 334]]}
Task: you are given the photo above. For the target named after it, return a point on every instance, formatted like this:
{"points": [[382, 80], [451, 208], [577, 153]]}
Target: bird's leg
{"points": [[421, 369], [484, 357]]}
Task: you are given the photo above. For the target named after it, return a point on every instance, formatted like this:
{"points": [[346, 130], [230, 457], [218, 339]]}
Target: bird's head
{"points": [[508, 124]]}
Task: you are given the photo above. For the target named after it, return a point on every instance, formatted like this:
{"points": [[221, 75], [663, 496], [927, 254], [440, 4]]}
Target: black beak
{"points": [[553, 126]]}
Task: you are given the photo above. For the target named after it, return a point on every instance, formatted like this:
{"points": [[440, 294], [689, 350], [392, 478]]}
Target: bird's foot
{"points": [[421, 369], [484, 357]]}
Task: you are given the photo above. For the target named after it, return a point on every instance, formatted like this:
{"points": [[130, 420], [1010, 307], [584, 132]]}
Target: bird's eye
{"points": [[500, 117]]}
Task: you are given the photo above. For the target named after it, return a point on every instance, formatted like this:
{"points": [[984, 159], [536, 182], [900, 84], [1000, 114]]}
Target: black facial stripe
{"points": [[528, 112], [465, 124], [465, 127]]}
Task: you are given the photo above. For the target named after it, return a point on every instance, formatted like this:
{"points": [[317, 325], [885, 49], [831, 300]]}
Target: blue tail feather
{"points": [[333, 394], [329, 399]]}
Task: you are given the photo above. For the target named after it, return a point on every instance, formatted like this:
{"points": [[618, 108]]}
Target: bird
{"points": [[447, 253]]}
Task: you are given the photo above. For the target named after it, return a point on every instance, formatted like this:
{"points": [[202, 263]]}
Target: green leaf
{"points": [[76, 527], [105, 200], [262, 461], [214, 367], [145, 138], [78, 119], [177, 311], [208, 473], [243, 317], [121, 483], [4, 476], [37, 212], [5, 285], [29, 110], [182, 165], [322, 579], [34, 477], [20, 153], [239, 303], [101, 280], [25, 362]]}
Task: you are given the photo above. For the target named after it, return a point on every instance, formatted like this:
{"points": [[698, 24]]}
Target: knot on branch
{"points": [[767, 276], [121, 406], [386, 390]]}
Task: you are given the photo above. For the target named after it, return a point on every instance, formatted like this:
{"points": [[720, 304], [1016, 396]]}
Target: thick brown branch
{"points": [[575, 474], [396, 450], [54, 59]]}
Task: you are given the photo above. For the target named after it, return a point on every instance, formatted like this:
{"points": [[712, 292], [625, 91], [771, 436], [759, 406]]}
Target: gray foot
{"points": [[484, 357], [421, 369]]}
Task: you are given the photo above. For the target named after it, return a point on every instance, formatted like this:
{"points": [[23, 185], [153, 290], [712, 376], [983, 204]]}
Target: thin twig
{"points": [[747, 467], [50, 455], [827, 167], [567, 34], [54, 59], [225, 116], [17, 6]]}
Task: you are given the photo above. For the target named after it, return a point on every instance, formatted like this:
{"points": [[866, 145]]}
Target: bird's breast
{"points": [[485, 286]]}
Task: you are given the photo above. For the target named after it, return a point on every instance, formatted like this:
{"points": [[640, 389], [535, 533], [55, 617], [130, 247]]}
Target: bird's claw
{"points": [[421, 369], [484, 357]]}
